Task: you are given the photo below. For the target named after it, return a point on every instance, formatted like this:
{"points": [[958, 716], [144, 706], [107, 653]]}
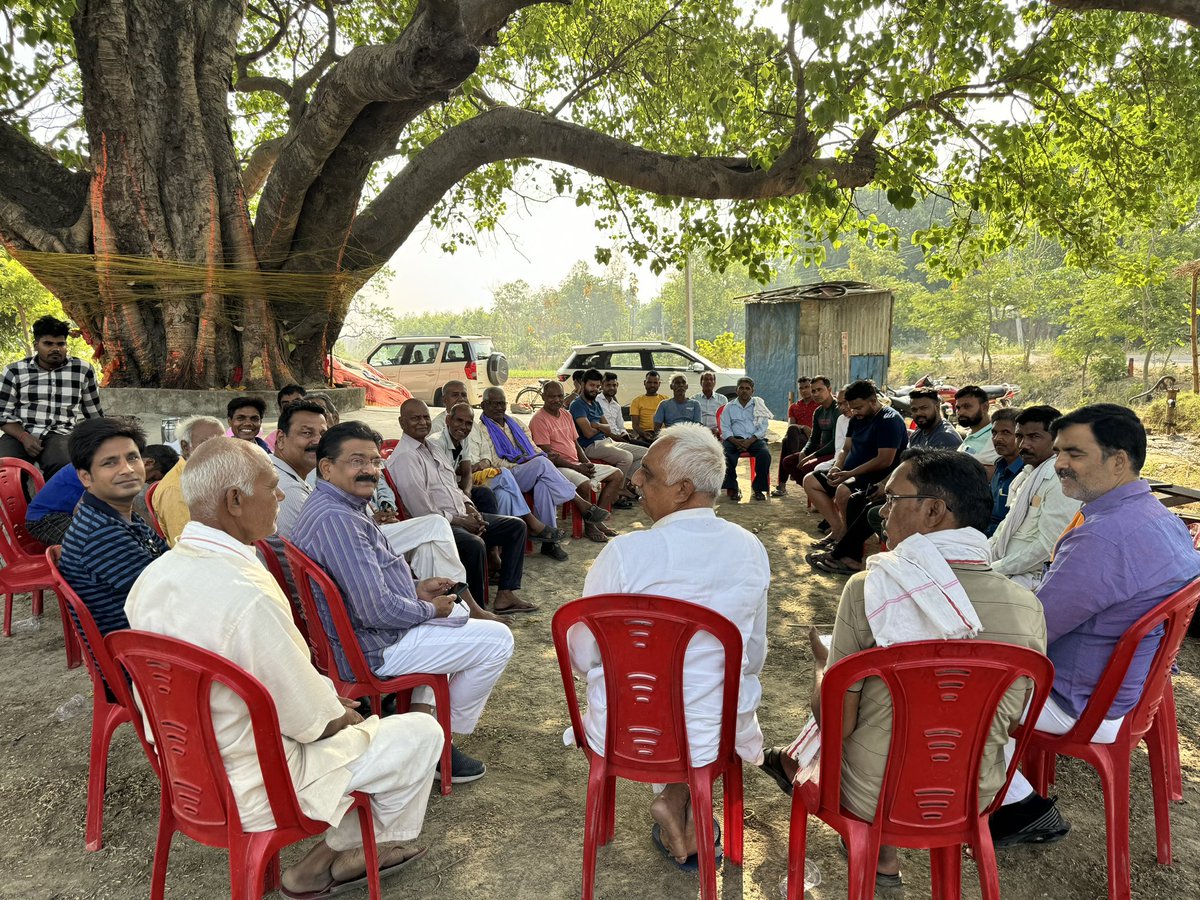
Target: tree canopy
{"points": [[206, 185]]}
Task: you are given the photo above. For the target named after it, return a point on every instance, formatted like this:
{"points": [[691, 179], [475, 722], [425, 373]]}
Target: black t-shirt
{"points": [[883, 431]]}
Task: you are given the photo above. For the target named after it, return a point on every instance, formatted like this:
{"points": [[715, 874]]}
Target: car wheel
{"points": [[497, 369], [437, 397]]}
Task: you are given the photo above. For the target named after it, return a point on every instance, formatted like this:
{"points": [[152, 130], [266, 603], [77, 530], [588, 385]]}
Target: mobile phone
{"points": [[458, 589]]}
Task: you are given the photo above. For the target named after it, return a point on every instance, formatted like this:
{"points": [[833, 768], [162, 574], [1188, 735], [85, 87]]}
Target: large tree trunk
{"points": [[166, 187]]}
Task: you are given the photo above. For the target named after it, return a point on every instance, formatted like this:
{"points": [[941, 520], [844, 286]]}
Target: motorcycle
{"points": [[998, 394]]}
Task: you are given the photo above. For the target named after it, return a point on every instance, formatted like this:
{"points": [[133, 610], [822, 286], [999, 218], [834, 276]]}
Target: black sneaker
{"points": [[780, 491], [595, 515], [759, 495], [554, 551], [463, 769], [1034, 820]]}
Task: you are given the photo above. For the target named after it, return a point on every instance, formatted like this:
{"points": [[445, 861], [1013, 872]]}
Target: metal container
{"points": [[169, 425]]}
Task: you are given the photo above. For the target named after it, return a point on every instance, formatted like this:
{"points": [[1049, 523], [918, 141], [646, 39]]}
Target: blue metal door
{"points": [[872, 367], [771, 352]]}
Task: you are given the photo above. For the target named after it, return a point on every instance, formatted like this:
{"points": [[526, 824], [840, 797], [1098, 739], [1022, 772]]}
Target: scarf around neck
{"points": [[504, 446]]}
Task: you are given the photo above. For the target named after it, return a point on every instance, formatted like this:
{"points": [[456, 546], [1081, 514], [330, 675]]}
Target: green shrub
{"points": [[1187, 413]]}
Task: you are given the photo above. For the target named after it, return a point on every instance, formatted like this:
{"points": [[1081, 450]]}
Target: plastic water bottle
{"points": [[25, 626], [812, 878], [71, 708]]}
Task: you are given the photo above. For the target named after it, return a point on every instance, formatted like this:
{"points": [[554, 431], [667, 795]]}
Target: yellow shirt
{"points": [[168, 503], [642, 409]]}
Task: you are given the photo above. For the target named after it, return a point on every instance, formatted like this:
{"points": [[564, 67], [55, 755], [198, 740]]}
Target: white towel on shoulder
{"points": [[911, 594]]}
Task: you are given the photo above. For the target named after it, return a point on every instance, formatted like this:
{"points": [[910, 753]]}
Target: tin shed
{"points": [[841, 329]]}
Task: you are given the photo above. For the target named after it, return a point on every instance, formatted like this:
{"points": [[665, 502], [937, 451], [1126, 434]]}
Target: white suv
{"points": [[424, 364], [631, 360]]}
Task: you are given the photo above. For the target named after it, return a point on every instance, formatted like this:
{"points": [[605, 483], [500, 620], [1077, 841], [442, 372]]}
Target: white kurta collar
{"points": [[213, 540], [680, 514]]}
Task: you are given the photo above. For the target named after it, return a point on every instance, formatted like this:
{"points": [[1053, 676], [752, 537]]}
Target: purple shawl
{"points": [[504, 447]]}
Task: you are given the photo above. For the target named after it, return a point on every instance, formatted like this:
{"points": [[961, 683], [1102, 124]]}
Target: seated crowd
{"points": [[1035, 529]]}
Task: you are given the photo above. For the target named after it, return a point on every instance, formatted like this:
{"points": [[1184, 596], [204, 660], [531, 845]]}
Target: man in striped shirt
{"points": [[107, 545], [403, 626]]}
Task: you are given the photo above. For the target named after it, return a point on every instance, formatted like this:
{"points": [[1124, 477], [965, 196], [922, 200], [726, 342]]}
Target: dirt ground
{"points": [[518, 832]]}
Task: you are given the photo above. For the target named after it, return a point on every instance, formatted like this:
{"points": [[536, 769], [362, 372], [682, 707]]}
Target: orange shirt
{"points": [[556, 432]]}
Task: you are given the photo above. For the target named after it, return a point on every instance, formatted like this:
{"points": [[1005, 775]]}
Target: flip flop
{"points": [[340, 887], [692, 863], [594, 534], [515, 610], [812, 557], [772, 764], [833, 567]]}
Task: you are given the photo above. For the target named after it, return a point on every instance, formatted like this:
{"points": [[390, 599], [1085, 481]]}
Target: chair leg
{"points": [[705, 837], [1160, 786], [162, 848], [1167, 727], [1114, 780], [731, 785], [37, 603], [441, 698], [106, 718], [366, 824], [945, 876], [863, 844], [985, 862], [593, 824], [8, 602], [797, 847], [610, 811], [71, 641]]}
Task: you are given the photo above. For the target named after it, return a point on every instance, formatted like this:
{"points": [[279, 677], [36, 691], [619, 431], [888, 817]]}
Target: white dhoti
{"points": [[397, 771], [578, 478], [427, 542], [626, 457], [473, 655]]}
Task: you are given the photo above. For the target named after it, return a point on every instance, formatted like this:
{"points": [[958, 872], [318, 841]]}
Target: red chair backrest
{"points": [[17, 544], [944, 699], [270, 558], [329, 611], [386, 447], [154, 523], [642, 640], [720, 409], [174, 682], [401, 512], [1175, 613]]}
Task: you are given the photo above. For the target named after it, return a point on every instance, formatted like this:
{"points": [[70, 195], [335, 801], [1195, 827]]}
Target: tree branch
{"points": [[258, 166], [41, 200], [1184, 10], [508, 133]]}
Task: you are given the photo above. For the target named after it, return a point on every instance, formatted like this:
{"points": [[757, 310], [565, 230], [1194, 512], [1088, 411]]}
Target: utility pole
{"points": [[687, 290], [1195, 353]]}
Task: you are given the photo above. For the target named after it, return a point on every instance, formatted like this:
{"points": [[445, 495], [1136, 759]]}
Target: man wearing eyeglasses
{"points": [[402, 625]]}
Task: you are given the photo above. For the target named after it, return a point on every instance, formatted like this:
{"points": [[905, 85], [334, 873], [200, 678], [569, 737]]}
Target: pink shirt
{"points": [[556, 432]]}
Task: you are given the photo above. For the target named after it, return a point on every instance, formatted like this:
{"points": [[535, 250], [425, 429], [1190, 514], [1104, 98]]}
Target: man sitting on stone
{"points": [[937, 506], [425, 479], [402, 626], [107, 545], [820, 446], [643, 408], [1038, 511], [971, 406], [478, 476], [553, 430], [678, 407], [1008, 463], [744, 424], [710, 402], [245, 420], [596, 434], [503, 440], [169, 506], [330, 749], [1123, 554], [43, 396], [686, 555]]}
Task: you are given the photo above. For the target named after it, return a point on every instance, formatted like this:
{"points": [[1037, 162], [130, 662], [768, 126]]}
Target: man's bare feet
{"points": [[312, 872], [670, 810], [508, 601]]}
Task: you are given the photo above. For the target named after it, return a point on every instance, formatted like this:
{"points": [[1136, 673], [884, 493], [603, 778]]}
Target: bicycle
{"points": [[532, 396]]}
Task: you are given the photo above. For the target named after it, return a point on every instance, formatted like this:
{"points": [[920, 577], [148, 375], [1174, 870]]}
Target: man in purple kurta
{"points": [[1122, 555]]}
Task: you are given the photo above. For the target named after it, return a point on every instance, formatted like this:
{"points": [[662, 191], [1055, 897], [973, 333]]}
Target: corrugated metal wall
{"points": [[826, 335]]}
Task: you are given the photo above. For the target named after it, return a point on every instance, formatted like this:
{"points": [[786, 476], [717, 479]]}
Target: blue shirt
{"points": [[102, 556], [883, 431], [593, 412], [335, 531], [60, 495], [1001, 479], [1129, 554], [669, 412], [944, 437]]}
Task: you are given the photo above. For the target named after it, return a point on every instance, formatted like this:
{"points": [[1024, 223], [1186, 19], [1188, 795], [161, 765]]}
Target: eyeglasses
{"points": [[889, 499], [358, 463]]}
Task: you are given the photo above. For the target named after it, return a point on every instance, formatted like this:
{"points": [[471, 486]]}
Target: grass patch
{"points": [[532, 373], [1187, 414]]}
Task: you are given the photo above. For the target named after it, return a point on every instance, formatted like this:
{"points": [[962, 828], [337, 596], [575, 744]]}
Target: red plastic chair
{"points": [[174, 680], [364, 683], [930, 794], [1112, 761], [748, 456], [25, 567], [387, 447], [271, 560], [111, 706], [642, 641], [154, 523]]}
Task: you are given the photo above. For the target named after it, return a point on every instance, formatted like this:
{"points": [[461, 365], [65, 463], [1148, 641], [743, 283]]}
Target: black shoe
{"points": [[595, 515], [1034, 820], [734, 494], [549, 535], [759, 495], [780, 491], [623, 504], [463, 769], [824, 526], [554, 551]]}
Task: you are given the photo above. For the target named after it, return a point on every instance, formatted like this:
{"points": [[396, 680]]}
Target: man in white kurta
{"points": [[690, 554], [330, 749], [1038, 510]]}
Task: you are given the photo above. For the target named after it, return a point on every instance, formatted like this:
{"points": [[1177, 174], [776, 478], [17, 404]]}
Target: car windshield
{"points": [[483, 349]]}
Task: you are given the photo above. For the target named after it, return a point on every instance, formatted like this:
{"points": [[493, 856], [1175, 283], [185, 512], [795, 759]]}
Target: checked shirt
{"points": [[49, 402]]}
